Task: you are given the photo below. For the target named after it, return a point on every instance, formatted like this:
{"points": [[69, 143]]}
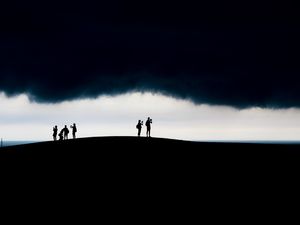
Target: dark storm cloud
{"points": [[230, 54]]}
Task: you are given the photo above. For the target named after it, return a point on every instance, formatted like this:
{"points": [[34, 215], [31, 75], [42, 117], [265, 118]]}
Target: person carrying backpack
{"points": [[139, 127]]}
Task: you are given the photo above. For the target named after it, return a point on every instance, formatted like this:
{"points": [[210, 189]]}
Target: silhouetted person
{"points": [[66, 132], [148, 125], [74, 130], [139, 127], [55, 133], [61, 134]]}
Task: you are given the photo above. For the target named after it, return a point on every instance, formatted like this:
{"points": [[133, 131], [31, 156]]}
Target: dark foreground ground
{"points": [[155, 152], [155, 177]]}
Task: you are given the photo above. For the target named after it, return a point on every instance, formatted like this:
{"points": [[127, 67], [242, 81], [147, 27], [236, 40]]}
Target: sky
{"points": [[202, 71], [108, 115]]}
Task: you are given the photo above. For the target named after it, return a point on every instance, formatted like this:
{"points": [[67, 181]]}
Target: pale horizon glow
{"points": [[21, 119]]}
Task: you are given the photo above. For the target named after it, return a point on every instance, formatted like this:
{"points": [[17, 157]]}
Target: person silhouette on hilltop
{"points": [[148, 125], [61, 134], [139, 127], [66, 132], [54, 133], [74, 130]]}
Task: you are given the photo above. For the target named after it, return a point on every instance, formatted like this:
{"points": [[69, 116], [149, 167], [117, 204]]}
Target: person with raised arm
{"points": [[148, 125], [139, 127]]}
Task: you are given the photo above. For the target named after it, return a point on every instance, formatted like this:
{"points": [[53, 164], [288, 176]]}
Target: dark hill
{"points": [[128, 150], [153, 169], [166, 158]]}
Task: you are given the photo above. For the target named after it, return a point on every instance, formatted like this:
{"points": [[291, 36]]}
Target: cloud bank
{"points": [[241, 58]]}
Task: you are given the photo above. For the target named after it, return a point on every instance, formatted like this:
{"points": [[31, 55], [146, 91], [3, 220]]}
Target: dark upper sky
{"points": [[217, 52]]}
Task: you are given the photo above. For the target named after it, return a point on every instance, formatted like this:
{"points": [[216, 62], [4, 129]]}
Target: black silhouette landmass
{"points": [[156, 151], [158, 172]]}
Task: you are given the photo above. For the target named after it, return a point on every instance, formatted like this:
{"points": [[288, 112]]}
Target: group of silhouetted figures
{"points": [[63, 134], [148, 125]]}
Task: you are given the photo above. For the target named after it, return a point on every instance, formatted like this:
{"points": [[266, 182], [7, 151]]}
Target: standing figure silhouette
{"points": [[54, 133], [139, 127], [74, 130], [66, 132], [148, 125]]}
